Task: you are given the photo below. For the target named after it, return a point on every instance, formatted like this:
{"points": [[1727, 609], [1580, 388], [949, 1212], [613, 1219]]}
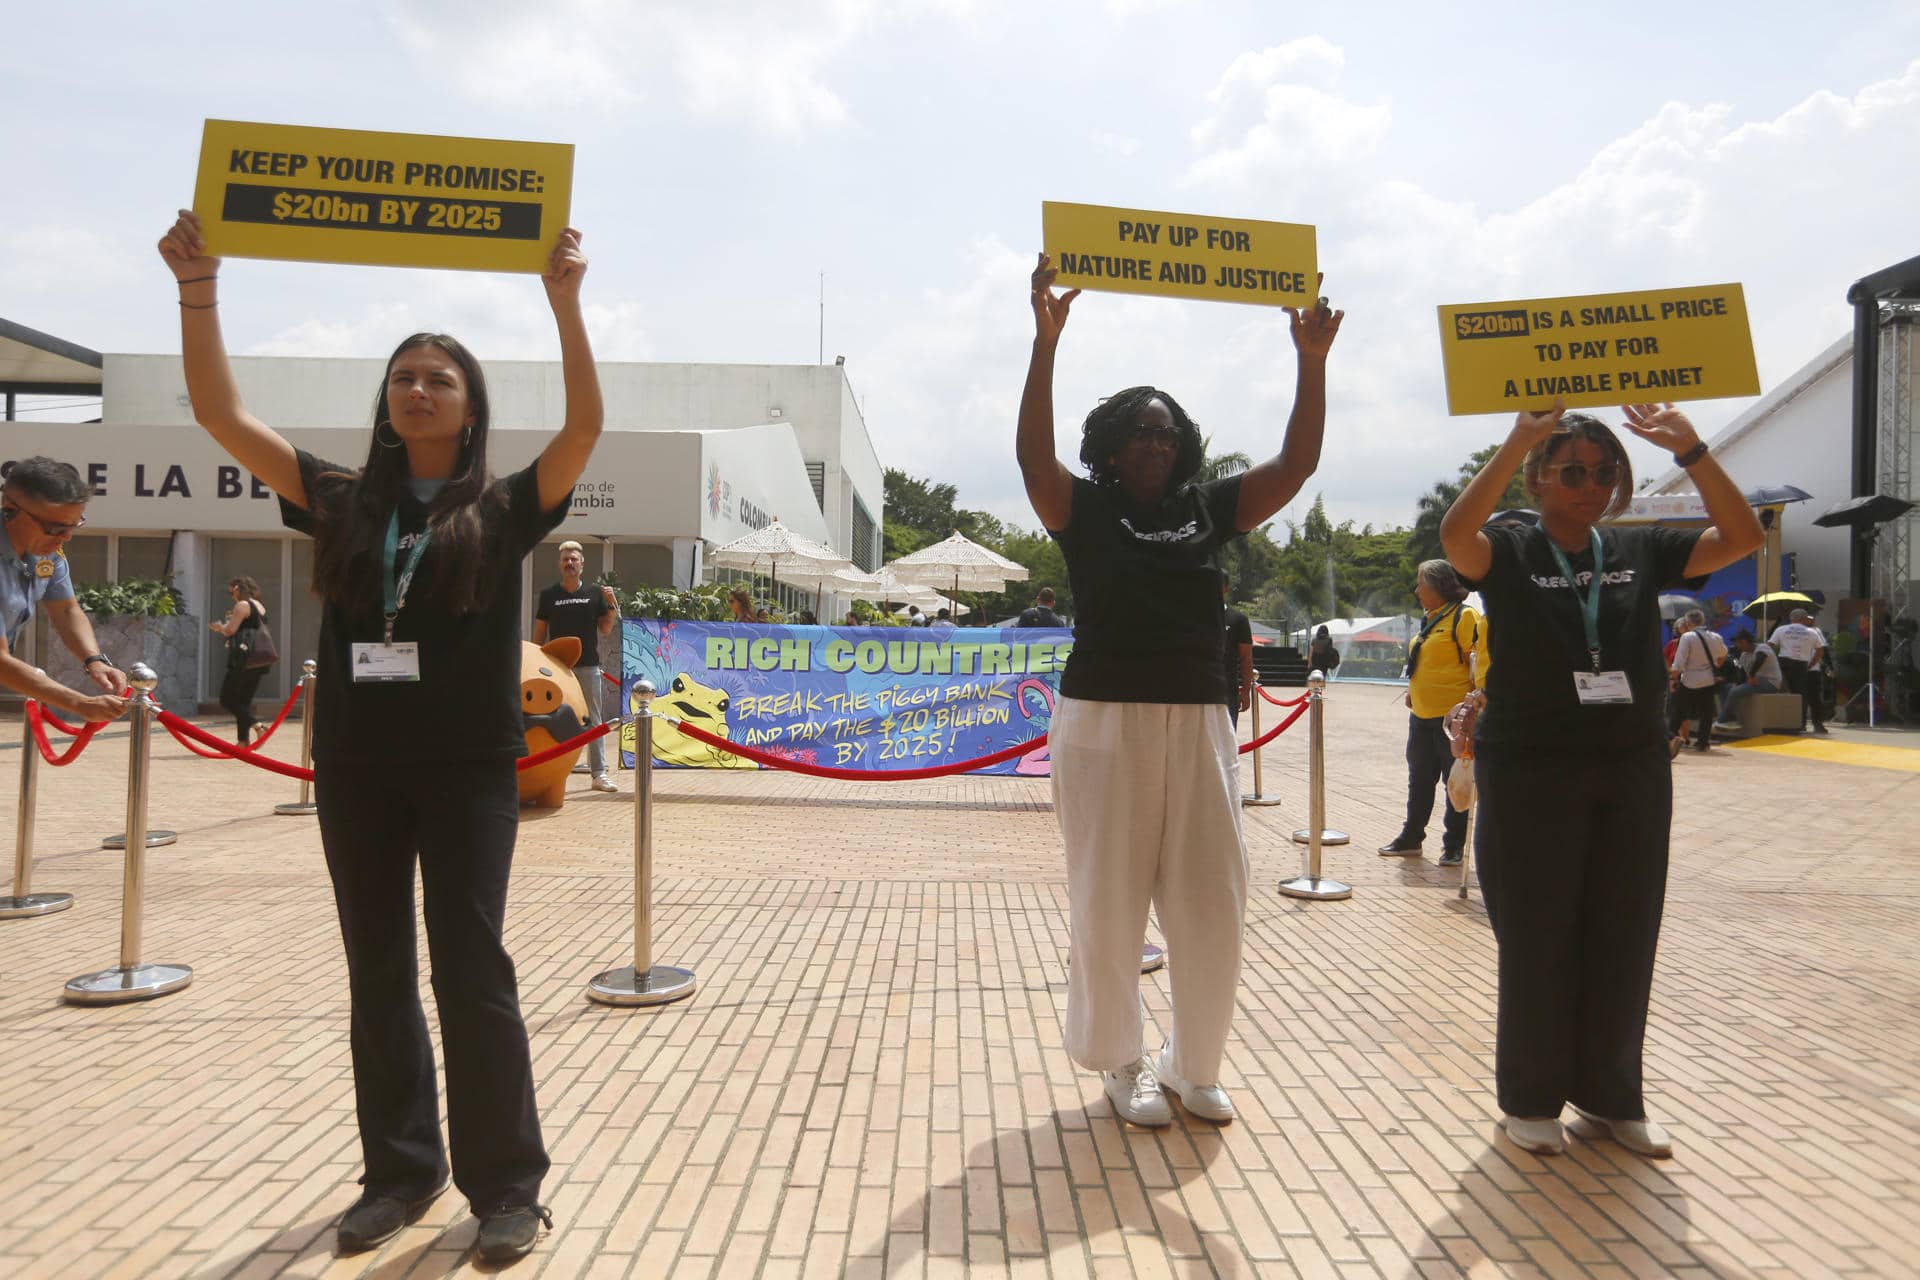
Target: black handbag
{"points": [[257, 652]]}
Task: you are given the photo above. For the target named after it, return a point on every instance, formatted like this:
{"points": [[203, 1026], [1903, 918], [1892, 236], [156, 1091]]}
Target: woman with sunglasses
{"points": [[1571, 764], [417, 556], [1145, 770]]}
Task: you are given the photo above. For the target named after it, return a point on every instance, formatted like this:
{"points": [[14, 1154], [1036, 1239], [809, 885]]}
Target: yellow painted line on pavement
{"points": [[1864, 755]]}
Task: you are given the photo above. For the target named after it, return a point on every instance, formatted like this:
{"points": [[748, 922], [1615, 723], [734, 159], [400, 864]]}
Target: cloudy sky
{"points": [[731, 151]]}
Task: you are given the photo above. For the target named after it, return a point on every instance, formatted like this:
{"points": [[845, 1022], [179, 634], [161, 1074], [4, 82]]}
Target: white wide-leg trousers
{"points": [[1148, 797]]}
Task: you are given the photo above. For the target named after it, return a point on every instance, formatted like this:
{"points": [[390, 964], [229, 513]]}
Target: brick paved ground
{"points": [[870, 1080]]}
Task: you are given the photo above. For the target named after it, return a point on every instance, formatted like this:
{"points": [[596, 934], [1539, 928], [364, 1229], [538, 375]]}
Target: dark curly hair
{"points": [[1108, 427]]}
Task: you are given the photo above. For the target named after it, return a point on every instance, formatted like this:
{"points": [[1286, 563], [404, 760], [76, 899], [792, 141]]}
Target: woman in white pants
{"points": [[1145, 773]]}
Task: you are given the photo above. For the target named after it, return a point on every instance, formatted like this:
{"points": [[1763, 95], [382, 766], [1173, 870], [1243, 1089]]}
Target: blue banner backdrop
{"points": [[871, 698]]}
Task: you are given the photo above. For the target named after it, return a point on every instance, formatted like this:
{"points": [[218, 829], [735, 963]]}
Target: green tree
{"points": [[1423, 542]]}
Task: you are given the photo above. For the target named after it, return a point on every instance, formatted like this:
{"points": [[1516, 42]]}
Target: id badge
{"points": [[386, 663], [1599, 688]]}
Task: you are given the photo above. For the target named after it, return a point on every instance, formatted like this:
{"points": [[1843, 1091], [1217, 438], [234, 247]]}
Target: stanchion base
{"points": [[1151, 957], [119, 986], [662, 984], [1258, 800], [1305, 836], [1318, 888], [154, 839], [295, 807], [34, 904]]}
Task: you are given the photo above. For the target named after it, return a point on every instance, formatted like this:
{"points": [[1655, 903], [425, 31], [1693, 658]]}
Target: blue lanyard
{"points": [[396, 591], [1590, 606]]}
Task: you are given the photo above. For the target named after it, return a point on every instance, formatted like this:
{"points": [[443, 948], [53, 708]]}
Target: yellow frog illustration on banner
{"points": [[701, 705]]}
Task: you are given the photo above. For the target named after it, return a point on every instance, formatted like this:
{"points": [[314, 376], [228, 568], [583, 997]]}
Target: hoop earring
{"points": [[466, 436], [382, 440]]}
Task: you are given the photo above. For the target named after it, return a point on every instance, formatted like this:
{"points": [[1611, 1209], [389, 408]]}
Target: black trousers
{"points": [[1429, 756], [1809, 683], [460, 821], [236, 697], [1572, 854]]}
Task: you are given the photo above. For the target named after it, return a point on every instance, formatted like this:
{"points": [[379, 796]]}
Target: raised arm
{"points": [[1049, 485], [565, 456], [203, 353], [1736, 531], [1467, 548], [1271, 485]]}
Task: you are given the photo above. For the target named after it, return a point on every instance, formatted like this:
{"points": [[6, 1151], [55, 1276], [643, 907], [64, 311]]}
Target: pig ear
{"points": [[563, 649]]}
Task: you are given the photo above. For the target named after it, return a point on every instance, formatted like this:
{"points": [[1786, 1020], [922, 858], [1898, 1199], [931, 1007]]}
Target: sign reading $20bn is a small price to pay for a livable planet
{"points": [[385, 199], [1601, 349]]}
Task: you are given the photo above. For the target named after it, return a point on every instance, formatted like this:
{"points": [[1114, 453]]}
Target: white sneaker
{"points": [[1643, 1136], [1538, 1134], [604, 783], [1135, 1094], [1208, 1101]]}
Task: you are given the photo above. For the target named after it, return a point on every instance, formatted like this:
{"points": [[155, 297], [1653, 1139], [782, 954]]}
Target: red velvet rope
{"points": [[1277, 730], [856, 775], [187, 733], [46, 713], [280, 719], [82, 735], [1282, 702]]}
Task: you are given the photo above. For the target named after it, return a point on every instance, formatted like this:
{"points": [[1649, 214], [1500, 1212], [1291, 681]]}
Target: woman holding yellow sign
{"points": [[1145, 769], [1571, 764], [417, 558]]}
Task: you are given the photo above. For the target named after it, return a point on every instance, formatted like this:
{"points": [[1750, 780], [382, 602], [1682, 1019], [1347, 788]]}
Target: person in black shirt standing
{"points": [[416, 557], [1237, 656], [1571, 767], [571, 608], [1041, 613], [1145, 771]]}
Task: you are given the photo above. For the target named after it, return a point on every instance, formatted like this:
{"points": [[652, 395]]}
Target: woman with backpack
{"points": [[1441, 670], [1696, 669], [246, 664]]}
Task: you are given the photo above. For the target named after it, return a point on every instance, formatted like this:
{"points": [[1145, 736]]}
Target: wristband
{"points": [[92, 658], [199, 306], [1691, 456], [198, 279]]}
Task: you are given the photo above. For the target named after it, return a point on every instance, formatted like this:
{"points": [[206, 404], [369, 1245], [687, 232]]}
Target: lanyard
{"points": [[396, 592], [1590, 606]]}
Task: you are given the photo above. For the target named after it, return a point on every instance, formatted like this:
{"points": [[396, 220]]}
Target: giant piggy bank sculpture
{"points": [[552, 710]]}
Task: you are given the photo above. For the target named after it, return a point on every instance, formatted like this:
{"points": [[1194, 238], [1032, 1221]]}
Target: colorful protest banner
{"points": [[1180, 255], [385, 199], [1601, 349], [869, 698]]}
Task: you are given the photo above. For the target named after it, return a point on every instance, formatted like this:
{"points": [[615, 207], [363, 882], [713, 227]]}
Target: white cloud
{"points": [[1278, 111]]}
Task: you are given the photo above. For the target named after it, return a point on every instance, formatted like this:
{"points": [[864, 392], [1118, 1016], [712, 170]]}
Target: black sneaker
{"points": [[1450, 858], [1401, 847], [509, 1232], [375, 1219]]}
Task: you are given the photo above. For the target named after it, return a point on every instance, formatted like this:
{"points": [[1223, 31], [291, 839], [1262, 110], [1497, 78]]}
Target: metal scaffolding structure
{"points": [[1893, 568]]}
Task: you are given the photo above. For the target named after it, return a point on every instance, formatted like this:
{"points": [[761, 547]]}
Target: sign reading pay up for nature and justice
{"points": [[1602, 349], [385, 199], [1180, 255]]}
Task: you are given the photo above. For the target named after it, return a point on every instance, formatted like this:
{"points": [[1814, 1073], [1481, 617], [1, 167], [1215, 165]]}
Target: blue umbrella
{"points": [[1767, 495]]}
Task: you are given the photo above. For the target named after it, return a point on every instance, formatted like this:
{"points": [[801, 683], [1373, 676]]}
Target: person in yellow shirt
{"points": [[1440, 672]]}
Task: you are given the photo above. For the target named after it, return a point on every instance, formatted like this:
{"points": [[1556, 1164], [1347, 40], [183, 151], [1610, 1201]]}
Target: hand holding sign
{"points": [[1529, 429], [566, 268], [1315, 328], [1049, 310], [183, 249]]}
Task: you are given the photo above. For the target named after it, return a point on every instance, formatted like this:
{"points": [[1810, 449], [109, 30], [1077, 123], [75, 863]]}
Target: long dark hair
{"points": [[1107, 428], [351, 508]]}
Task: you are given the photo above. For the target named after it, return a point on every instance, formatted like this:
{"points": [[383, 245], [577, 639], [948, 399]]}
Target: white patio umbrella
{"points": [[958, 562], [776, 546]]}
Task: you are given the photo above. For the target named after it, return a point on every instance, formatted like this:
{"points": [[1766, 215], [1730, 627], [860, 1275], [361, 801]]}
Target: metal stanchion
{"points": [[24, 901], [132, 979], [643, 981], [1151, 957], [305, 804], [1259, 796], [143, 681], [1313, 884]]}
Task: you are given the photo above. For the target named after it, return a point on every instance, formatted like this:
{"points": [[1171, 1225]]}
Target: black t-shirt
{"points": [[1536, 639], [466, 704], [1040, 616], [1238, 631], [575, 613], [1146, 595]]}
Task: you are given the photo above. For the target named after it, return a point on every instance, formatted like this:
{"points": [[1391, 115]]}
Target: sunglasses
{"points": [[1146, 434], [52, 528], [1577, 475]]}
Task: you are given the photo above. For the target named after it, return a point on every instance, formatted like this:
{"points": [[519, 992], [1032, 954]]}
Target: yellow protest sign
{"points": [[385, 199], [1180, 255], [1599, 349]]}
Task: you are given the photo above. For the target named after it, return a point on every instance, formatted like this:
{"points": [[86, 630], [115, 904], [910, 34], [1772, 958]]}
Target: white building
{"points": [[693, 456]]}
